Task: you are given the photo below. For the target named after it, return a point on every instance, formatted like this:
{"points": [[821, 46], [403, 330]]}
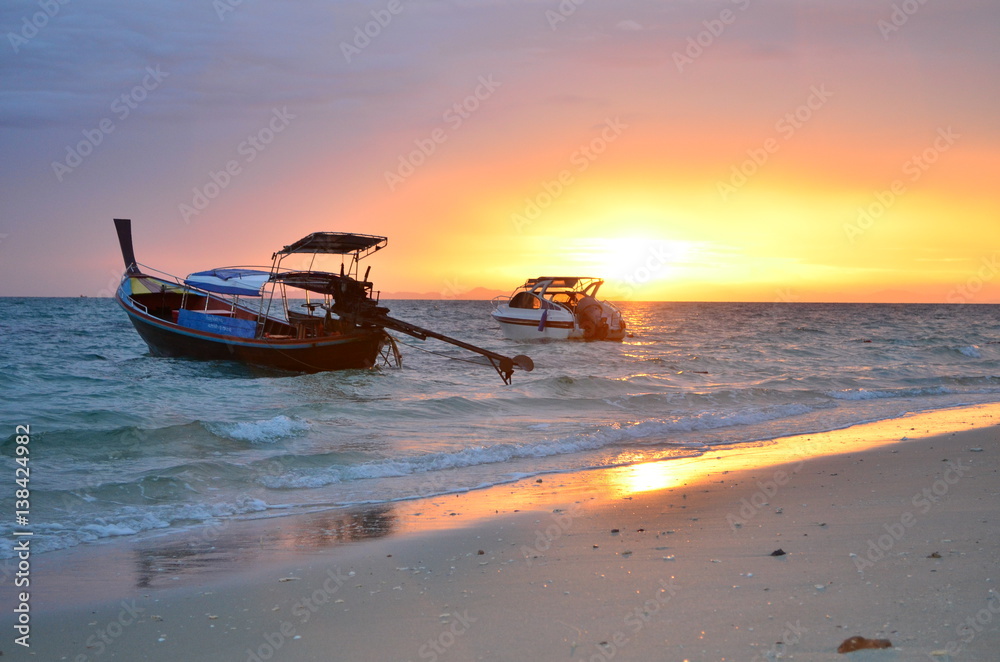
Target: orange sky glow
{"points": [[806, 152]]}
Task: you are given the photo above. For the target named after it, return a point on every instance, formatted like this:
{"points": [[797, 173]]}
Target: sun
{"points": [[637, 263]]}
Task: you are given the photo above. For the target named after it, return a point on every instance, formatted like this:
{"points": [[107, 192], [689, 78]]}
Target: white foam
{"points": [[865, 394], [656, 430], [109, 530], [133, 520], [260, 432]]}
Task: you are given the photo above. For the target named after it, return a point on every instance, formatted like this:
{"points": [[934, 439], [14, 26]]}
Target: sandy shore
{"points": [[889, 530]]}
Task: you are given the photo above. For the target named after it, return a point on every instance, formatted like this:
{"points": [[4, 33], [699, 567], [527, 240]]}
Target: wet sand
{"points": [[888, 530]]}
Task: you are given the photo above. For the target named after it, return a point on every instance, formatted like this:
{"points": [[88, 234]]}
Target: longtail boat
{"points": [[245, 314]]}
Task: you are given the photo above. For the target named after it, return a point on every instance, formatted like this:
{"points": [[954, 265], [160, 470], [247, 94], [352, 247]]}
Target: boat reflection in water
{"points": [[229, 545]]}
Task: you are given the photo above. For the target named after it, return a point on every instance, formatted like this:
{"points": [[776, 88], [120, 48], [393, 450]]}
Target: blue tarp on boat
{"points": [[224, 326], [243, 282]]}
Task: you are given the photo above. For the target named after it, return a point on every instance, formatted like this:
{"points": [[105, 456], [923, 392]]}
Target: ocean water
{"points": [[125, 444]]}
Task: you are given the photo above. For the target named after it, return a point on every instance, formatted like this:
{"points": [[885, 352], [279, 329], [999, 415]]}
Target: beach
{"points": [[781, 549]]}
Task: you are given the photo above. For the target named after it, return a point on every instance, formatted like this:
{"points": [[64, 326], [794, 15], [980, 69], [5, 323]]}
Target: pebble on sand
{"points": [[857, 643]]}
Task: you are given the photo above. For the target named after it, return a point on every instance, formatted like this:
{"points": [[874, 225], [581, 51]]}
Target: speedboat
{"points": [[558, 308], [245, 314]]}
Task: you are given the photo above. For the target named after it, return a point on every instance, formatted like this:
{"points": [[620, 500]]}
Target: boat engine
{"points": [[592, 316]]}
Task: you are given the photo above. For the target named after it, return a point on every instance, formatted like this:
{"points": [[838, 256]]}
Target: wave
{"points": [[986, 386], [137, 444], [876, 394], [653, 432], [91, 432], [265, 431], [130, 520]]}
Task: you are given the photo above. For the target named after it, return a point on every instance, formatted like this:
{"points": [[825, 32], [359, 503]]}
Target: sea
{"points": [[124, 444]]}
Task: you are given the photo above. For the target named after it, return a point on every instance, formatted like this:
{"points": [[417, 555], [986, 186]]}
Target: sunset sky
{"points": [[824, 150]]}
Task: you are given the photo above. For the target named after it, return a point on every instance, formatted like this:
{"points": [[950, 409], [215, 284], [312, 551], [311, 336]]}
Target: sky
{"points": [[731, 150]]}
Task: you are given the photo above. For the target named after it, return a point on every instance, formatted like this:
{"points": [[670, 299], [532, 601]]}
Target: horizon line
{"points": [[442, 298]]}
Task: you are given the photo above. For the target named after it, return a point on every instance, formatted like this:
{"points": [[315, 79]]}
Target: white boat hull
{"points": [[526, 325], [558, 308]]}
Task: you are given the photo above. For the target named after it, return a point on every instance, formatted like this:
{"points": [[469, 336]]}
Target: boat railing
{"points": [[256, 267], [132, 301], [233, 300], [543, 302], [499, 300], [146, 268]]}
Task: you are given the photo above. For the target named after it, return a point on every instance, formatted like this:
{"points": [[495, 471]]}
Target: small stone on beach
{"points": [[857, 643], [778, 552]]}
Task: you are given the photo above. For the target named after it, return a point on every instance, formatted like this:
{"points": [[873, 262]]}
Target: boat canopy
{"points": [[561, 281], [337, 243], [321, 282], [242, 282]]}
